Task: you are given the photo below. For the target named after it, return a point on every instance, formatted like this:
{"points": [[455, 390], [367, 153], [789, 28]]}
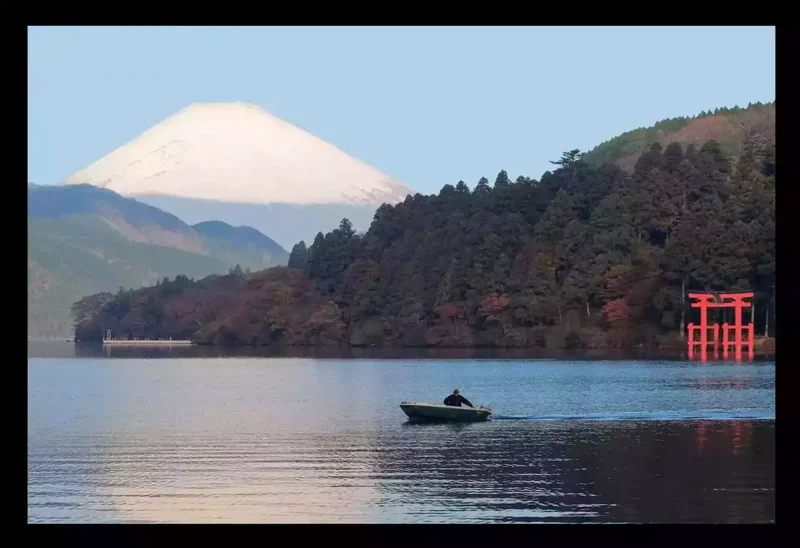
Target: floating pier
{"points": [[145, 342]]}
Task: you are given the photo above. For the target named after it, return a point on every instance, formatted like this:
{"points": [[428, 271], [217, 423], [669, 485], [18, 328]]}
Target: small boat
{"points": [[440, 412]]}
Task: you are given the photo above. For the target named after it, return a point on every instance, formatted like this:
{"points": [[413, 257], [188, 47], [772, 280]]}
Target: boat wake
{"points": [[640, 417]]}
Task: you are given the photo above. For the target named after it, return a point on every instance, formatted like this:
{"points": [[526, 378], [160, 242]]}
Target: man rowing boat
{"points": [[455, 399]]}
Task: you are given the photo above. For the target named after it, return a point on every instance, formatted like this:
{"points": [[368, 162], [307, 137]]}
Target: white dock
{"points": [[145, 342]]}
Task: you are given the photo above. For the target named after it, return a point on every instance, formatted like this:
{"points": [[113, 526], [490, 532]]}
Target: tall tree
{"points": [[569, 158], [298, 258], [502, 179], [462, 188], [482, 188]]}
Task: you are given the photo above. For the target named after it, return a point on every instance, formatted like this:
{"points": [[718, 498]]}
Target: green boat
{"points": [[438, 412]]}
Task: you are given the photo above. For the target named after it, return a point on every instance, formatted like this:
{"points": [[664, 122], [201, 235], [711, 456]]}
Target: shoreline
{"points": [[665, 345], [164, 348]]}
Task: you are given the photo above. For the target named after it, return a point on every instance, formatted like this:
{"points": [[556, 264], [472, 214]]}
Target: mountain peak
{"points": [[238, 152]]}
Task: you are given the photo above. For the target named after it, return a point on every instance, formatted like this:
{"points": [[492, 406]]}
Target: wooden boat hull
{"points": [[419, 411]]}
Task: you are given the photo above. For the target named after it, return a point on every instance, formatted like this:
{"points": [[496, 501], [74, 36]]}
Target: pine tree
{"points": [[569, 158], [673, 156], [298, 258], [650, 160], [482, 188], [346, 228], [502, 179]]}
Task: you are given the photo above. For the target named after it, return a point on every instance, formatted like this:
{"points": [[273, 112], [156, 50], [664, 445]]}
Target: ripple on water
{"points": [[252, 441]]}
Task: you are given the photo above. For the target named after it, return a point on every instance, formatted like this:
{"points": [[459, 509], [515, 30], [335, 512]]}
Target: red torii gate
{"points": [[729, 300]]}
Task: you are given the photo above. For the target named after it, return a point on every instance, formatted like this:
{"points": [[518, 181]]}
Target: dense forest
{"points": [[587, 256], [728, 126]]}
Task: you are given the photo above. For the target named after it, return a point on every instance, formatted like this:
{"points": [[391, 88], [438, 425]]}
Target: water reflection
{"points": [[303, 441], [192, 480], [583, 471], [418, 473]]}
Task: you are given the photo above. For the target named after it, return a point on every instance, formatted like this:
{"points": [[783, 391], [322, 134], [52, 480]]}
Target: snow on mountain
{"points": [[236, 152]]}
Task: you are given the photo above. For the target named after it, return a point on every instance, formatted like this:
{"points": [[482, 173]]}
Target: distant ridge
{"points": [[83, 240], [53, 202], [239, 237]]}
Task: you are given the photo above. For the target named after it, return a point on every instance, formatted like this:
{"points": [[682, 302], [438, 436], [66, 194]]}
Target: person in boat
{"points": [[455, 399]]}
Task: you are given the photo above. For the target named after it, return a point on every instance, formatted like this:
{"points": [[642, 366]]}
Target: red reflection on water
{"points": [[741, 436], [738, 430], [701, 435]]}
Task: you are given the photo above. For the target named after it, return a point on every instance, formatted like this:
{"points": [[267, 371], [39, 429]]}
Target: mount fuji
{"points": [[237, 163]]}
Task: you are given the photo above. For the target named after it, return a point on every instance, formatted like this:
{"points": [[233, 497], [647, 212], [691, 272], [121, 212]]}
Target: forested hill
{"points": [[587, 256], [730, 127]]}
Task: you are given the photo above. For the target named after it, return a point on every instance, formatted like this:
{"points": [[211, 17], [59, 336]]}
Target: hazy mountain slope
{"points": [[46, 202], [133, 220], [287, 224], [237, 237], [80, 255], [227, 161], [241, 245], [729, 127], [83, 240]]}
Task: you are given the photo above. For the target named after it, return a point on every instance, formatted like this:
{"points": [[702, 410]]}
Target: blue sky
{"points": [[427, 105]]}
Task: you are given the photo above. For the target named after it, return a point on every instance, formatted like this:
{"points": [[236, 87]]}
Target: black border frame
{"points": [[380, 535]]}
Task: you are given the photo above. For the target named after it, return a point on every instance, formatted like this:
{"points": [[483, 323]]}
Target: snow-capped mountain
{"points": [[237, 163]]}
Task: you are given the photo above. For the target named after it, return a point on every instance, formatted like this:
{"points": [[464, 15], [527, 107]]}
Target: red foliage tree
{"points": [[450, 311], [494, 305], [617, 312]]}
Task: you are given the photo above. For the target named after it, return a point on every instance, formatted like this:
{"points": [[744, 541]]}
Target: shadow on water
{"points": [[449, 425]]}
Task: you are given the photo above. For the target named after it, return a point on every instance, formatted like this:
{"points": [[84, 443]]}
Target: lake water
{"points": [[302, 440]]}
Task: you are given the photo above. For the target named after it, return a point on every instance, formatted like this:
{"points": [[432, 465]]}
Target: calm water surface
{"points": [[321, 440]]}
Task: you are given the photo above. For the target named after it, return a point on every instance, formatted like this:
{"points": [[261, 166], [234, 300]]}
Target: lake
{"points": [[212, 437]]}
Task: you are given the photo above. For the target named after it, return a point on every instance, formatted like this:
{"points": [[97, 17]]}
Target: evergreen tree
{"points": [[298, 258], [650, 160], [482, 188], [347, 228], [502, 180], [569, 158], [673, 156]]}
